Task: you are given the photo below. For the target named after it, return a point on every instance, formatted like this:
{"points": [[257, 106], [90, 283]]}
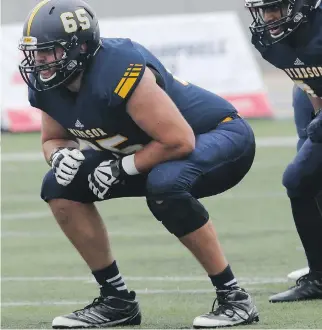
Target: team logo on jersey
{"points": [[128, 80], [298, 62], [78, 124]]}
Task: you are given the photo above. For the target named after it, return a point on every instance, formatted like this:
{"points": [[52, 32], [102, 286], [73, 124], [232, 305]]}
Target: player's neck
{"points": [[75, 85]]}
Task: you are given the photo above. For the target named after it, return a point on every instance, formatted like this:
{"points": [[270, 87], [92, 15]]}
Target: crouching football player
{"points": [[151, 135]]}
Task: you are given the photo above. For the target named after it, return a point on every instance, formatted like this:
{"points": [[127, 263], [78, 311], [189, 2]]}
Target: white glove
{"points": [[65, 163], [104, 176]]}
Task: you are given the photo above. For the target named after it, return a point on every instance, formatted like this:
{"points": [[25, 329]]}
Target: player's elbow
{"points": [[189, 145], [185, 145]]}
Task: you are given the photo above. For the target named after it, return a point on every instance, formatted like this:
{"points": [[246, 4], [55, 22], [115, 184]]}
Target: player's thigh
{"points": [[231, 160], [78, 190], [220, 159], [303, 113], [304, 174]]}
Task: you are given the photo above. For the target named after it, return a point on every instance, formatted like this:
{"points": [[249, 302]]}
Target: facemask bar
{"points": [[259, 24], [31, 72], [287, 22]]}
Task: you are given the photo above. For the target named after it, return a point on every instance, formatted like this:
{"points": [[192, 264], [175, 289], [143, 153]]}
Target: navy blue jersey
{"points": [[97, 113], [303, 64]]}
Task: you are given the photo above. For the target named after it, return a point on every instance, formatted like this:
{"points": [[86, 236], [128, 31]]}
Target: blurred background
{"points": [[275, 83], [203, 41]]}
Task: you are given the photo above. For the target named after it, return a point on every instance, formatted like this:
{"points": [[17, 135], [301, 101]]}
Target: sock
{"points": [[224, 280], [308, 221], [110, 280]]}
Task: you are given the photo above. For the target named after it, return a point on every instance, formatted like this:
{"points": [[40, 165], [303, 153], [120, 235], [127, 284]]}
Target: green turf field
{"points": [[42, 275]]}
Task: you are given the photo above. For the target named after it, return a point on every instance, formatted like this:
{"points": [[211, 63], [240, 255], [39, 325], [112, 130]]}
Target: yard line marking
{"points": [[27, 234], [266, 142], [44, 278], [25, 215], [256, 165], [242, 195], [19, 156], [227, 194], [44, 214], [21, 198], [66, 302], [277, 141], [41, 214], [140, 291], [242, 280]]}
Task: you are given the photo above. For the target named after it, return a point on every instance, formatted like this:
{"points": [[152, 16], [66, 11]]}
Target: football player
{"points": [[303, 115], [150, 135], [288, 34]]}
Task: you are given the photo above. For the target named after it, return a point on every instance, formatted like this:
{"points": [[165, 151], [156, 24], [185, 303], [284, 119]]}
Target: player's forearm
{"points": [[155, 153], [51, 145], [316, 102]]}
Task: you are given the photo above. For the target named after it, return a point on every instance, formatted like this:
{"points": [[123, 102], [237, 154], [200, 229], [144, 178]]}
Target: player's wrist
{"points": [[318, 112], [128, 165], [52, 154]]}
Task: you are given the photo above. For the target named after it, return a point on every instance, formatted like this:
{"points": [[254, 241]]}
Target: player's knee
{"points": [[62, 204], [63, 209], [158, 188], [166, 181], [50, 189], [294, 182], [48, 184], [181, 216]]}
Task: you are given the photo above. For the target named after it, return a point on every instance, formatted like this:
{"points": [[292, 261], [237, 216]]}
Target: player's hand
{"points": [[105, 175], [65, 163], [314, 129]]}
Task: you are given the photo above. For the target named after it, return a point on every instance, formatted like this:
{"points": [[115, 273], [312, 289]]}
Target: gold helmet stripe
{"points": [[33, 14]]}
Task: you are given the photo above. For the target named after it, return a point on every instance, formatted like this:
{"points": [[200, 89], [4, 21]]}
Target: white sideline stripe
{"points": [[142, 292], [21, 198], [19, 156], [242, 280], [25, 215], [274, 141], [277, 141], [227, 195], [64, 302], [27, 234]]}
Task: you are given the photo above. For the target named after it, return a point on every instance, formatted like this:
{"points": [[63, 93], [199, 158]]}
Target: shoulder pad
{"points": [[32, 97], [126, 67]]}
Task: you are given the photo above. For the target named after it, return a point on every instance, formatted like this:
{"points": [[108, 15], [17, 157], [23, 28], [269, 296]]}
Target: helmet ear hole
{"points": [[83, 48]]}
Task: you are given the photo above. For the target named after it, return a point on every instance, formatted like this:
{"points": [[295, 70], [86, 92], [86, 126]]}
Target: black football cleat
{"points": [[308, 287], [103, 312], [235, 307]]}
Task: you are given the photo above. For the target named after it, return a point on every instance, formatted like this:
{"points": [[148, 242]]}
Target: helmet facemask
{"points": [[274, 20], [68, 58]]}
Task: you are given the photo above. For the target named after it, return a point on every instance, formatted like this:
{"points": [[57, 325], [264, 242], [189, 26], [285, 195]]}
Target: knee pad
{"points": [[292, 181], [296, 185], [181, 216]]}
